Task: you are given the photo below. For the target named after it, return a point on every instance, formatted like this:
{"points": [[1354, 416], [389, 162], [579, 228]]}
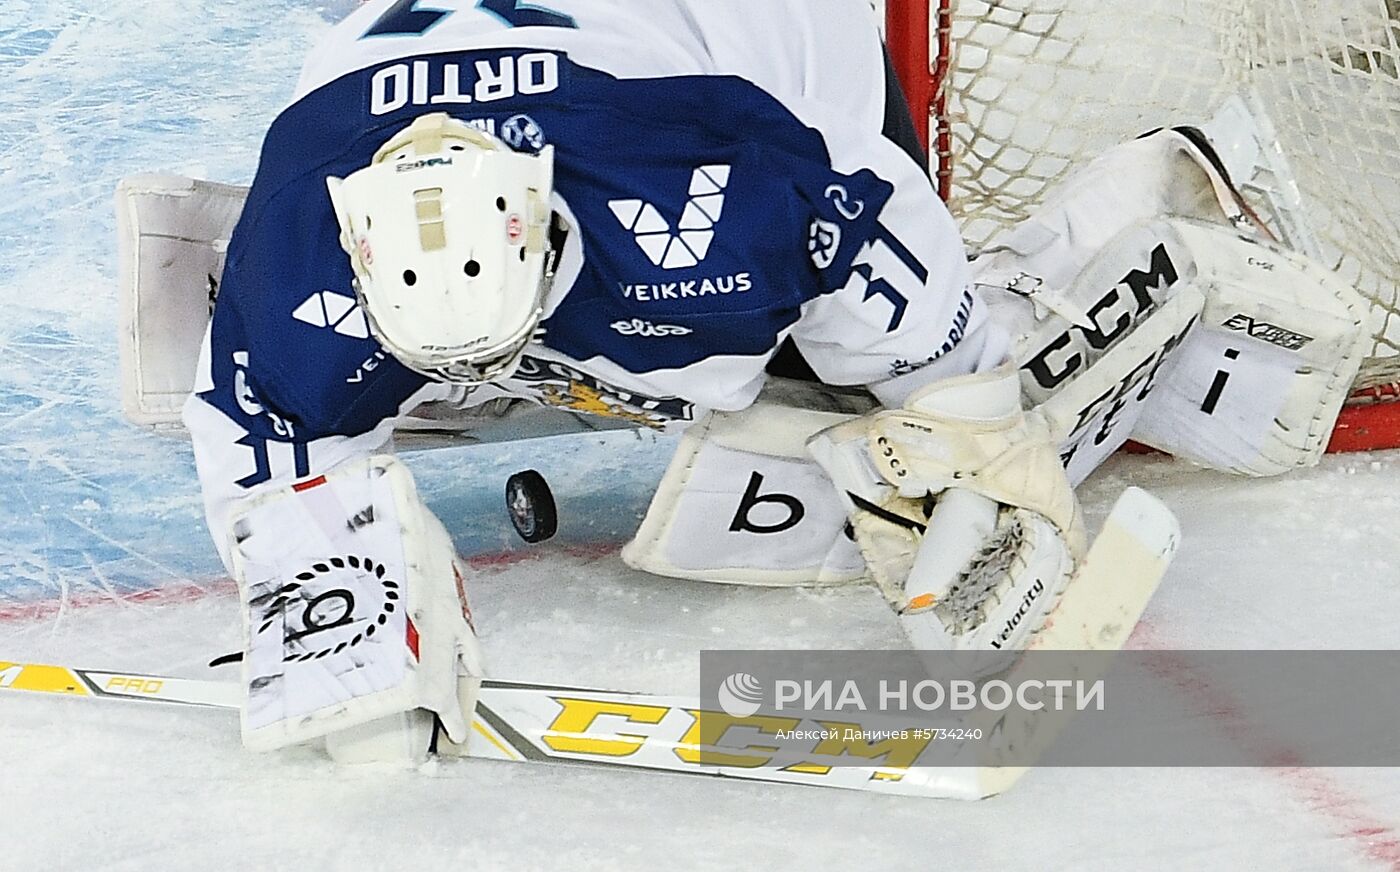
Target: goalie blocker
{"points": [[357, 630]]}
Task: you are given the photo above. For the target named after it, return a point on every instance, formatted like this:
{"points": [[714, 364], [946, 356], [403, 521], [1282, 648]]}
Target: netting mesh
{"points": [[1037, 87]]}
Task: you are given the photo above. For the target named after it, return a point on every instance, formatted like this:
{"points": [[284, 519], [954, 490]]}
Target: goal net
{"points": [[1018, 93]]}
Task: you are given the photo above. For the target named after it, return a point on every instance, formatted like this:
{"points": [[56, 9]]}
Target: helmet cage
{"points": [[474, 367]]}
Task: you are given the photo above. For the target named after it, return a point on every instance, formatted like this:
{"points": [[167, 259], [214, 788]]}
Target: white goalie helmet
{"points": [[448, 235]]}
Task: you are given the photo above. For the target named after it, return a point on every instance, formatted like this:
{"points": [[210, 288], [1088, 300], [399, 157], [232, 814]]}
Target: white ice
{"points": [[104, 563]]}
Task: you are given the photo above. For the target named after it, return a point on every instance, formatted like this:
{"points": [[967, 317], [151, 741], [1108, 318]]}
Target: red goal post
{"points": [[1334, 58]]}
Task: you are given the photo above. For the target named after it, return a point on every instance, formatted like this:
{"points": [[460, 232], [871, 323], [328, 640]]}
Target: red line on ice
{"points": [[510, 558], [166, 594], [192, 591], [1318, 791]]}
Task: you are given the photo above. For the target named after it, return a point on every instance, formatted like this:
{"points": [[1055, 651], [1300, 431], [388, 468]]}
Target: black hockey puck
{"points": [[530, 505]]}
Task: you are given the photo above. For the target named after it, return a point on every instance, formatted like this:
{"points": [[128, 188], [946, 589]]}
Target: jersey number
{"points": [[404, 18], [301, 460], [883, 267]]}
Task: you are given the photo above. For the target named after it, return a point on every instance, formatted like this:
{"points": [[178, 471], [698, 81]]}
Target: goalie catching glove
{"points": [[356, 625], [962, 461]]}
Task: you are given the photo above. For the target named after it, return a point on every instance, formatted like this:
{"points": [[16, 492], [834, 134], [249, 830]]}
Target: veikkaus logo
{"points": [[740, 695], [337, 311], [690, 242]]}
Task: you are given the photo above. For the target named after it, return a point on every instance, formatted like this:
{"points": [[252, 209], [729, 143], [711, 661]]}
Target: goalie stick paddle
{"points": [[558, 724]]}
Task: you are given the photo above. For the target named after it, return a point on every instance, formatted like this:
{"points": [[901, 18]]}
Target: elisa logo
{"points": [[638, 327], [690, 242], [337, 311]]}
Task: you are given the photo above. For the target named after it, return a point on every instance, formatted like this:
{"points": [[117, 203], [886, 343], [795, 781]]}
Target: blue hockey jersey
{"points": [[720, 165]]}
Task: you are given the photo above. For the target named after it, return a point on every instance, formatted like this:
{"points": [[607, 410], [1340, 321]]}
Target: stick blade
{"points": [[1098, 611], [1121, 572]]}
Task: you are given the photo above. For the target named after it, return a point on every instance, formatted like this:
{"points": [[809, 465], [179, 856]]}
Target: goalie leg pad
{"points": [[1259, 385], [1090, 351], [743, 503], [354, 611], [1257, 388]]}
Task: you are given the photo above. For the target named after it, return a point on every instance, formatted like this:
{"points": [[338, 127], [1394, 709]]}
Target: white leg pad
{"points": [[1257, 388], [743, 503]]}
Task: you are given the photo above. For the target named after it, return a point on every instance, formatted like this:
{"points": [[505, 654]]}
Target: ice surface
{"points": [[104, 563]]}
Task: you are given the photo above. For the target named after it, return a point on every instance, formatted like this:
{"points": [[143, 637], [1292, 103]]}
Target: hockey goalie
{"points": [[708, 215]]}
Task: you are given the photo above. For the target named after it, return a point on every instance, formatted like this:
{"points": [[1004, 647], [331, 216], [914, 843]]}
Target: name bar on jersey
{"points": [[437, 83]]}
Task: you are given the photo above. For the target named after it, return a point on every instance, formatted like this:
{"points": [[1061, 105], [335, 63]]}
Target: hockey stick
{"points": [[69, 681], [537, 723], [551, 723]]}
